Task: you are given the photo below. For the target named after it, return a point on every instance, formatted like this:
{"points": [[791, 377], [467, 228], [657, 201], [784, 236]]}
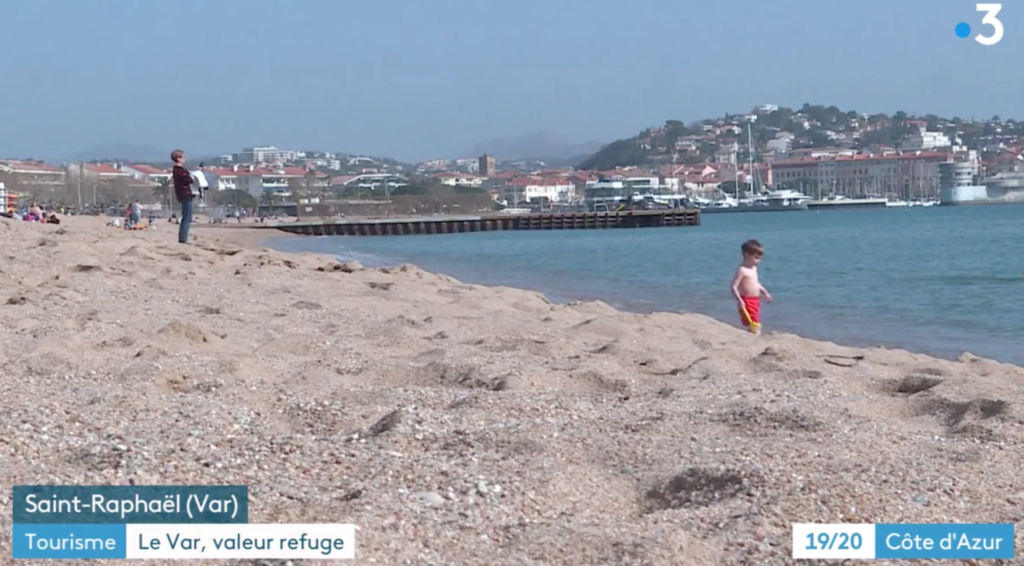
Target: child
{"points": [[747, 288]]}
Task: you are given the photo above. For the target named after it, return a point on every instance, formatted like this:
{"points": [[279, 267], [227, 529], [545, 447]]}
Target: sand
{"points": [[462, 424]]}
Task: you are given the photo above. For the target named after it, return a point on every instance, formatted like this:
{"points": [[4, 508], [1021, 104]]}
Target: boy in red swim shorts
{"points": [[747, 288]]}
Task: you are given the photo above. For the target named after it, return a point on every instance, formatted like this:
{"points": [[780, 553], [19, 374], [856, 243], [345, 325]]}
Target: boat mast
{"points": [[750, 156], [736, 168]]}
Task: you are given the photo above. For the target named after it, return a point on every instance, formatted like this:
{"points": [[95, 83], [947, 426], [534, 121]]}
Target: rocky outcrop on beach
{"points": [[462, 424]]}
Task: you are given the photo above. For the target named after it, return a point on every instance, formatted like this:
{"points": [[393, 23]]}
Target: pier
{"points": [[492, 222]]}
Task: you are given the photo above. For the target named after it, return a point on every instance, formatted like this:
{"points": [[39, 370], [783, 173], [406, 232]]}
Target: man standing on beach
{"points": [[183, 192]]}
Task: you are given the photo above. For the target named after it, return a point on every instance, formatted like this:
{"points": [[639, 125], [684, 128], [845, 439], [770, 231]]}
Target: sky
{"points": [[425, 79]]}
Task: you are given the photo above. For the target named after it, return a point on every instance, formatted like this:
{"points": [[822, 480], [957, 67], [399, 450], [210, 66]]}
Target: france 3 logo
{"points": [[991, 18]]}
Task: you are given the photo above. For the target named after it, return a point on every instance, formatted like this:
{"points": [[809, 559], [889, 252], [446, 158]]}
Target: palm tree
{"points": [[163, 192]]}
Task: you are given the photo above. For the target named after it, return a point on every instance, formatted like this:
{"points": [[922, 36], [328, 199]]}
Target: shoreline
{"points": [[241, 235], [458, 423], [941, 351]]}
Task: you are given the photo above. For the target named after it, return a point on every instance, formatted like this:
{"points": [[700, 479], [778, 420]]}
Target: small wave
{"points": [[367, 260], [330, 245]]}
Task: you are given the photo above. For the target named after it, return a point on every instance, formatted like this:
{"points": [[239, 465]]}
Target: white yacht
{"points": [[775, 201]]}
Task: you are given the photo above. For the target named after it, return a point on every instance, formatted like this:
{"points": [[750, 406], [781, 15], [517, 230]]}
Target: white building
{"points": [[643, 183], [926, 140], [780, 145], [265, 154], [147, 173], [460, 179], [371, 181], [32, 173], [525, 189], [257, 180]]}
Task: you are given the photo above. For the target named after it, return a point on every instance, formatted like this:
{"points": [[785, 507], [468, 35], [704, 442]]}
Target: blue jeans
{"points": [[186, 221]]}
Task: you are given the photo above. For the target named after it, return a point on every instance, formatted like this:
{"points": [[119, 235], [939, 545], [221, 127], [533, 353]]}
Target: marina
{"points": [[493, 222], [777, 201]]}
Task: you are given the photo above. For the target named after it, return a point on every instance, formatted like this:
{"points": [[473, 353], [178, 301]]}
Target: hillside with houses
{"points": [[821, 151]]}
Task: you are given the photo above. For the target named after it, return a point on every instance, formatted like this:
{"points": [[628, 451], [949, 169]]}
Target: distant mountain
{"points": [[122, 151], [544, 146]]}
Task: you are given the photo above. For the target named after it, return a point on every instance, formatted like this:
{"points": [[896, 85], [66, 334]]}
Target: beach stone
{"points": [[429, 498]]}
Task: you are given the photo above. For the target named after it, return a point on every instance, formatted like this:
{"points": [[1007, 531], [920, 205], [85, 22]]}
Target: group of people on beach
{"points": [[34, 213]]}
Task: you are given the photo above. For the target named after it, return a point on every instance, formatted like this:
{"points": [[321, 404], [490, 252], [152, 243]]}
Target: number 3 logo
{"points": [[991, 11]]}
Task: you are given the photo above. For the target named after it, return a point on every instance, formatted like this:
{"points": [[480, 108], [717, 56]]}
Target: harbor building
{"points": [[961, 186], [906, 175]]}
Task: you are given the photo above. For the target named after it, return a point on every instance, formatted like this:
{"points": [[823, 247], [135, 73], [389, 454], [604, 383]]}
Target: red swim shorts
{"points": [[750, 312]]}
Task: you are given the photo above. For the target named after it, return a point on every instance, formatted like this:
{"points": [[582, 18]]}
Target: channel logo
{"points": [[991, 11]]}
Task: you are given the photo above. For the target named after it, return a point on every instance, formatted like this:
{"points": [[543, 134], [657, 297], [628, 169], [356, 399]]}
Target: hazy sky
{"points": [[417, 79]]}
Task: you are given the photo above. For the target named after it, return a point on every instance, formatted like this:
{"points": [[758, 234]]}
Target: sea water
{"points": [[935, 280]]}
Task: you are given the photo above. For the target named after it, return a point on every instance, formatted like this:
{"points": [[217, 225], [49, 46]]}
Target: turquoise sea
{"points": [[937, 280]]}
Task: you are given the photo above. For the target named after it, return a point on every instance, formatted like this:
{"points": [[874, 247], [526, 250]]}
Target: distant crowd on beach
{"points": [[34, 213]]}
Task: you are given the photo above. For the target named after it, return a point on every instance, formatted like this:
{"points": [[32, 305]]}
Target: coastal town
{"points": [[816, 154]]}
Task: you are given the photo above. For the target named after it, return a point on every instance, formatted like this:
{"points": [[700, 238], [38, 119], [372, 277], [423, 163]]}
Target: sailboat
{"points": [[776, 201]]}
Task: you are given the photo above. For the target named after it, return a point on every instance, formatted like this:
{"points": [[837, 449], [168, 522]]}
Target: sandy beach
{"points": [[459, 424]]}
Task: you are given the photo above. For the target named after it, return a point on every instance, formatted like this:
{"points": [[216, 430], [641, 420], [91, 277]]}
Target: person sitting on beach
{"points": [[747, 288]]}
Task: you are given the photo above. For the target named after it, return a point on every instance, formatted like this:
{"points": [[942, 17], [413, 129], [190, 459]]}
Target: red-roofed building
{"points": [[147, 173], [581, 179], [28, 167], [279, 180], [899, 174], [701, 178], [700, 183], [103, 170], [221, 178], [24, 174], [255, 180]]}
